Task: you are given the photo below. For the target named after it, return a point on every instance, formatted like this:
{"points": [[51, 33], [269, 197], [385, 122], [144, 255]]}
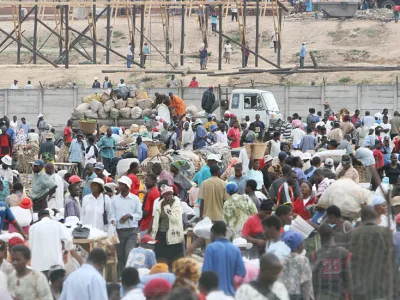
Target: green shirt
{"points": [[42, 183], [106, 141]]}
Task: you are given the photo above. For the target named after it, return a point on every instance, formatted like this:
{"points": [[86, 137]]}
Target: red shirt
{"points": [[148, 203], [354, 119], [301, 210], [68, 134], [378, 155], [234, 133], [252, 226], [193, 84], [135, 184]]}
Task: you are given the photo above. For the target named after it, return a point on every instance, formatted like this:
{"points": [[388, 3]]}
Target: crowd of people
{"points": [[251, 251]]}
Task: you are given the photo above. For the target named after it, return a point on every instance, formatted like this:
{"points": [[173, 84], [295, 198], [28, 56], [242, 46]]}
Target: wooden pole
{"points": [[66, 10], [141, 36], [257, 31], [278, 57], [182, 34], [60, 40], [133, 27], [220, 38], [243, 33], [19, 34], [35, 28], [167, 35], [94, 56], [25, 17], [108, 40]]}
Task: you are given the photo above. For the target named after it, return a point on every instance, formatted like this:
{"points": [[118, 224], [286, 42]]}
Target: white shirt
{"points": [[90, 157], [93, 209], [14, 125], [135, 294], [45, 239], [84, 283], [275, 148], [296, 135], [121, 84], [188, 137], [244, 159], [228, 48], [221, 137], [280, 249], [3, 281], [385, 126], [28, 87], [256, 175], [121, 206], [246, 291], [218, 295], [234, 8], [33, 137], [7, 174], [14, 87], [57, 200], [129, 52]]}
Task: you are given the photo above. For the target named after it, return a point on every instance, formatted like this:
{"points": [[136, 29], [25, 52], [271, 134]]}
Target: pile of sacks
{"points": [[137, 106]]}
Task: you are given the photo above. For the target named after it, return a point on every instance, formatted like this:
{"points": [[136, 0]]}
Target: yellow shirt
{"points": [[213, 193], [208, 125]]}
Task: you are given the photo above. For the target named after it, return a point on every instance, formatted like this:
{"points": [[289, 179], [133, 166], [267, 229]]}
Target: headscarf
{"points": [[157, 287], [188, 268], [178, 164], [159, 268], [15, 241], [202, 46], [377, 200], [292, 239], [167, 176]]}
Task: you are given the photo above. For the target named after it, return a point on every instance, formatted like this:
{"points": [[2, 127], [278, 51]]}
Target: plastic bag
{"points": [[136, 112], [271, 45], [112, 234], [203, 228]]}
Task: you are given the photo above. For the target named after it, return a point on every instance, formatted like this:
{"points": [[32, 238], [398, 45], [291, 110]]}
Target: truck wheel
{"points": [[389, 4]]}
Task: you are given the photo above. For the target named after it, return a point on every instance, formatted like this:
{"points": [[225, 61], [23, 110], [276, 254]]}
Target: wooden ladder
{"points": [[242, 30]]}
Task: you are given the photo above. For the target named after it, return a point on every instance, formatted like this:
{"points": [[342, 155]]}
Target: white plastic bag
{"points": [[203, 228], [112, 234]]}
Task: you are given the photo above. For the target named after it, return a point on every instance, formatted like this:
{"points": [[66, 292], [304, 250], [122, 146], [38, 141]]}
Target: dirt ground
{"points": [[334, 42]]}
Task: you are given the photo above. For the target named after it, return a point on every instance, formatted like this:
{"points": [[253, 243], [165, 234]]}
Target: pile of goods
{"points": [[120, 103]]}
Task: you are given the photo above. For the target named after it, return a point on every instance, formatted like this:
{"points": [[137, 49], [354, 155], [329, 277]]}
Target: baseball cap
{"points": [[227, 113], [386, 138], [213, 157], [346, 159], [329, 162], [282, 155], [38, 162], [209, 117], [99, 166], [126, 180], [148, 239], [74, 179]]}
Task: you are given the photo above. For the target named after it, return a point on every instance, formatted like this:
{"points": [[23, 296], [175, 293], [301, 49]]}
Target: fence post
{"points": [[75, 97], [5, 102], [41, 92], [286, 101], [395, 93], [322, 98], [359, 102]]}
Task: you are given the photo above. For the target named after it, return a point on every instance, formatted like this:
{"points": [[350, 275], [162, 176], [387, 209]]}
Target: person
{"points": [[76, 151], [177, 106], [134, 169], [308, 142], [296, 274], [91, 151], [7, 215], [130, 280], [72, 205], [234, 135], [303, 205], [41, 123], [204, 173], [208, 100], [366, 243], [253, 231], [246, 54], [203, 56], [392, 170], [167, 227], [297, 135], [68, 133], [259, 127], [14, 124], [47, 150], [346, 169], [125, 213], [367, 159], [141, 148], [107, 83], [182, 183], [239, 178], [187, 274], [223, 258], [237, 209], [187, 137], [6, 172], [302, 54], [107, 146], [274, 39], [200, 134], [209, 287], [194, 83], [214, 20], [172, 141], [26, 283], [209, 123], [129, 56], [297, 164], [48, 233], [346, 126], [356, 117], [157, 288], [42, 187], [380, 206], [368, 120], [121, 83], [395, 125], [345, 144], [24, 125], [272, 226], [90, 174], [228, 50], [146, 52], [172, 82], [5, 266], [378, 155], [142, 256], [5, 142], [275, 190], [255, 174], [212, 195], [14, 85], [87, 281], [234, 12], [330, 266], [274, 145], [96, 206], [96, 84]]}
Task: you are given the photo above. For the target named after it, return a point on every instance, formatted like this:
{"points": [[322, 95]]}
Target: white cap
{"points": [[126, 180], [98, 181], [242, 243], [7, 160], [95, 78], [213, 157], [71, 220], [40, 116], [329, 162]]}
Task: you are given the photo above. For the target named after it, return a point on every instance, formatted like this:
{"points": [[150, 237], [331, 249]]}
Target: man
{"points": [[46, 238], [5, 142], [68, 133], [395, 125], [386, 127], [47, 149], [209, 287], [14, 86], [255, 174], [160, 98], [152, 193], [210, 122], [366, 243], [208, 100], [24, 125], [72, 206], [239, 178], [367, 159], [223, 258], [96, 84], [274, 145], [259, 127], [122, 82], [129, 56], [346, 126], [285, 213], [204, 173], [7, 215], [234, 135], [346, 170], [125, 213], [276, 185], [172, 82], [41, 124], [302, 55], [5, 171], [57, 199], [310, 117], [378, 154], [212, 196], [77, 150], [356, 117], [177, 105], [194, 83], [107, 147], [369, 140], [200, 134], [331, 268], [90, 174], [368, 120], [272, 232], [308, 142], [315, 164], [107, 83], [287, 128], [56, 275], [42, 187], [143, 256], [297, 135], [386, 150], [146, 52], [141, 149], [345, 144], [130, 280], [87, 282], [14, 124], [336, 133]]}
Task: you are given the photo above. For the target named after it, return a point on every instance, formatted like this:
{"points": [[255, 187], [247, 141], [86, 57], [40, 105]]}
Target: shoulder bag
{"points": [[105, 217], [80, 232]]}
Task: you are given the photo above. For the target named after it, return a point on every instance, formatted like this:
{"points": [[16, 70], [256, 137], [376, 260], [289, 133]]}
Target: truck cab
{"points": [[250, 102]]}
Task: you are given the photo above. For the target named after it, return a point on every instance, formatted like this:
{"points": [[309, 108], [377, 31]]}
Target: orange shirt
{"points": [[179, 106]]}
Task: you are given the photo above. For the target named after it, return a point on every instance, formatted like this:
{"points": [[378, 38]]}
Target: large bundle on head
{"points": [[121, 92], [220, 149], [79, 110], [193, 162], [164, 160], [102, 113], [136, 112], [145, 103], [114, 113], [120, 103], [125, 112], [95, 105], [347, 195], [108, 105], [191, 110], [131, 102], [336, 155], [90, 114]]}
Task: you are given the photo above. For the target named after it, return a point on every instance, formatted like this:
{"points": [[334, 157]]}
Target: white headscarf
{"points": [[202, 46]]}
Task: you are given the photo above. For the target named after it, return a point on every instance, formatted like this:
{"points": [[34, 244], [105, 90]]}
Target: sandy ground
{"points": [[335, 42]]}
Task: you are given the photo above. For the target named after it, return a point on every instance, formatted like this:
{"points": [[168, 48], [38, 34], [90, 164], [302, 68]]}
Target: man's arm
{"points": [[240, 269]]}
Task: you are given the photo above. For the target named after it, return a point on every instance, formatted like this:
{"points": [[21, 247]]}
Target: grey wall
{"points": [[57, 105]]}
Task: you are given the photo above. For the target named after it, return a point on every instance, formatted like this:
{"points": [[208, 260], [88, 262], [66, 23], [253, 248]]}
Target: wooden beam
{"points": [[129, 4], [67, 46], [220, 38], [25, 17], [313, 60], [160, 71]]}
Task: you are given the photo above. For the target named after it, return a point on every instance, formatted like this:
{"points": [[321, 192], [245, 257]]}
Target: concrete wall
{"points": [[57, 105]]}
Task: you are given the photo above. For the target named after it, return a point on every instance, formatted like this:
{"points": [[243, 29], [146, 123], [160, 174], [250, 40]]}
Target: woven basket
{"points": [[259, 149]]}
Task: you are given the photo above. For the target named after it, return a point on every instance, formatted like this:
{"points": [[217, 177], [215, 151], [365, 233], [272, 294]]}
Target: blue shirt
{"points": [[199, 142], [214, 19], [25, 127], [121, 206], [308, 142], [86, 187], [225, 259], [84, 283], [386, 157], [141, 258], [76, 152], [5, 192], [5, 214], [106, 141], [10, 132], [203, 174], [369, 140], [240, 182], [115, 130], [142, 152], [303, 51]]}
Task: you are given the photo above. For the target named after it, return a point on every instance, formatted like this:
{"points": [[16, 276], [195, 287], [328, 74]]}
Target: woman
{"points": [[203, 56], [5, 266], [182, 183], [380, 206], [167, 227], [392, 170], [187, 272], [187, 137], [227, 52], [237, 209], [26, 283], [96, 206], [298, 168], [91, 152], [305, 202], [21, 138]]}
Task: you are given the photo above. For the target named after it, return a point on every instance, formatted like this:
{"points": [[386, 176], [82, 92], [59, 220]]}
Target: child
{"points": [[214, 19]]}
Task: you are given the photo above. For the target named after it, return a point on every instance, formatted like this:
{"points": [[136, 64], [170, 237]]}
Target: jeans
{"points": [[127, 241], [128, 63], [246, 59], [234, 15], [301, 62], [107, 164]]}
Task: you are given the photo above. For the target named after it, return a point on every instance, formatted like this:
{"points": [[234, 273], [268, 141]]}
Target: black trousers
{"points": [[246, 59], [234, 15]]}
